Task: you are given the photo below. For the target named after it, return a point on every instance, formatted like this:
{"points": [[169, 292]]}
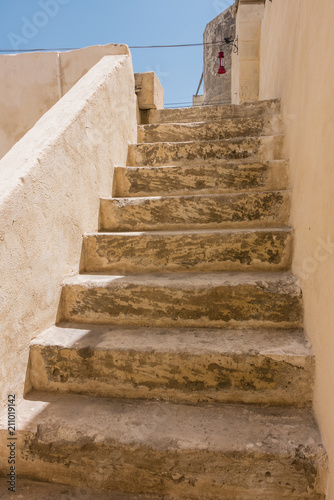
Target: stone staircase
{"points": [[179, 367]]}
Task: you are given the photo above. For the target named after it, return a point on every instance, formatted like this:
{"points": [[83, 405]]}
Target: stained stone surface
{"points": [[184, 451], [178, 365], [255, 209], [34, 490], [183, 300], [184, 153], [190, 316], [204, 113], [211, 178], [207, 250], [211, 131]]}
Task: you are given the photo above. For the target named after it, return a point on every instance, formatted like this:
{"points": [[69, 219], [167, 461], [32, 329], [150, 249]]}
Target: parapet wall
{"points": [[51, 182], [32, 83]]}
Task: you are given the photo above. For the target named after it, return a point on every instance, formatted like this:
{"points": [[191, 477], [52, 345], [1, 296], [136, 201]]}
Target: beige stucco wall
{"points": [[149, 91], [51, 182], [297, 65], [29, 85], [245, 63]]}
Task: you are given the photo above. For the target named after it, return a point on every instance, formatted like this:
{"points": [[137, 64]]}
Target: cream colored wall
{"points": [[297, 65], [50, 187], [29, 85], [245, 63], [149, 91]]}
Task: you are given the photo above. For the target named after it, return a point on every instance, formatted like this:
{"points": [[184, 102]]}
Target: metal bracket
{"points": [[229, 41]]}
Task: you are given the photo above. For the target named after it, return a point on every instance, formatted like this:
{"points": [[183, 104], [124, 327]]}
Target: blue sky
{"points": [[50, 24]]}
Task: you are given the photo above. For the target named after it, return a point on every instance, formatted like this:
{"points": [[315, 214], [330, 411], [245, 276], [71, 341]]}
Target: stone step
{"points": [[234, 300], [36, 490], [186, 365], [189, 179], [204, 113], [199, 251], [211, 130], [182, 451], [189, 153], [243, 210]]}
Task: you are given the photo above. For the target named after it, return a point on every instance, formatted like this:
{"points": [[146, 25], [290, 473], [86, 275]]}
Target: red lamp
{"points": [[221, 70]]}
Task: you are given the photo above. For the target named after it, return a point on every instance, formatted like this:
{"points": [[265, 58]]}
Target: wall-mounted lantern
{"points": [[221, 70]]}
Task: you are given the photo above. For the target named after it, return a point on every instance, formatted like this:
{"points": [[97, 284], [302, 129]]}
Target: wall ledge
{"points": [[238, 2], [149, 91]]}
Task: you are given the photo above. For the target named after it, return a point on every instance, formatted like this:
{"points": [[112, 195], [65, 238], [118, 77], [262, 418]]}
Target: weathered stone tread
{"points": [[183, 345], [203, 113], [249, 366], [34, 490], [200, 179], [211, 130], [196, 250], [185, 451], [212, 211], [191, 152], [185, 300]]}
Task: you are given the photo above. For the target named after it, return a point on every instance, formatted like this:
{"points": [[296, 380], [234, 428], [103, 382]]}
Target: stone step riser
{"points": [[37, 490], [211, 131], [177, 366], [177, 451], [210, 301], [165, 346], [182, 346], [127, 254], [187, 153], [245, 210], [205, 179], [204, 113], [192, 475]]}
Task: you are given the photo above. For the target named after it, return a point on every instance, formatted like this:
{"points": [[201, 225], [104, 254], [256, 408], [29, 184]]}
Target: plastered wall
{"points": [[30, 84], [245, 63], [51, 182], [297, 65]]}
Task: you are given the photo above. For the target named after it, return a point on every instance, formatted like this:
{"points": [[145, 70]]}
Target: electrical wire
{"points": [[177, 103], [226, 41], [190, 104], [10, 51], [180, 45]]}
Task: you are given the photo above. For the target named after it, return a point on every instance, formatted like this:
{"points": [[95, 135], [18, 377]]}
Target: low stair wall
{"points": [[51, 183]]}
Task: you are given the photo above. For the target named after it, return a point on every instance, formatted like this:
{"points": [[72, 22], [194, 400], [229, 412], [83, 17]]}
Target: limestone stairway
{"points": [[179, 367]]}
